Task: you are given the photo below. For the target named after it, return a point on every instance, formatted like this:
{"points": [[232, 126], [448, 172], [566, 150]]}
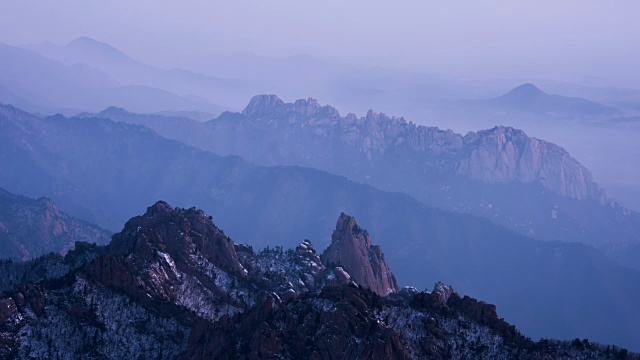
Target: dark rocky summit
{"points": [[172, 285], [30, 228], [352, 251], [177, 255]]}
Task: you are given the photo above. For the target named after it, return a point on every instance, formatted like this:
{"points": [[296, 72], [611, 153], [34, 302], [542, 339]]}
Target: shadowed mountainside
{"points": [[30, 228], [529, 185], [104, 171], [172, 285]]}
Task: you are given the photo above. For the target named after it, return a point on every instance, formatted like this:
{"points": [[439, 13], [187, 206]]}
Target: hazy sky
{"points": [[552, 39]]}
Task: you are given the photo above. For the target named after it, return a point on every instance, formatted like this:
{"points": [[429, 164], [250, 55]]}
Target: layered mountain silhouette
{"points": [[44, 85], [104, 172], [527, 98], [129, 71], [30, 228], [172, 285], [528, 185]]}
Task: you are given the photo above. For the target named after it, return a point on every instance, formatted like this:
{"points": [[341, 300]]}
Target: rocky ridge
{"points": [[172, 285], [271, 105], [494, 173], [528, 185], [116, 169], [498, 155]]}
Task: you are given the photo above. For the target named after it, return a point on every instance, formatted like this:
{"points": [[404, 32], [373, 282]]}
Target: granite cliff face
{"points": [[504, 154], [499, 155], [30, 228], [351, 249]]}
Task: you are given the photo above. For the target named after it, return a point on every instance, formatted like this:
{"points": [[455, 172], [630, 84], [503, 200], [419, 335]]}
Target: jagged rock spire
{"points": [[352, 250]]}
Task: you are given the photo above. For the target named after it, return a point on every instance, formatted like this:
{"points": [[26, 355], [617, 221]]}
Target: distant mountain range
{"points": [[37, 83], [527, 98], [230, 79], [529, 185], [104, 171], [30, 228], [128, 71], [172, 285], [469, 210]]}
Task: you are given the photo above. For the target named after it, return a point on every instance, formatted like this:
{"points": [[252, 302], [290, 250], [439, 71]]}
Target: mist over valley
{"points": [[271, 180]]}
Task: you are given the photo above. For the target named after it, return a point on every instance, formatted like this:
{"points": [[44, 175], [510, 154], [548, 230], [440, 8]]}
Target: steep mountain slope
{"points": [[31, 228], [526, 184], [172, 285], [104, 172], [51, 86]]}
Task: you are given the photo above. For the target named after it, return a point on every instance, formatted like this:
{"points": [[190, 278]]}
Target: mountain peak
{"points": [[262, 106], [504, 154], [307, 107], [182, 233], [114, 110], [530, 99], [160, 207], [84, 39], [526, 90], [351, 249], [85, 43], [347, 223]]}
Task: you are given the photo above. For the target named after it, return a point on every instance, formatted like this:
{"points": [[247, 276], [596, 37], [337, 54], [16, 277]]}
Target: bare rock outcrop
{"points": [[505, 154], [166, 255], [442, 292], [351, 249], [264, 106]]}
